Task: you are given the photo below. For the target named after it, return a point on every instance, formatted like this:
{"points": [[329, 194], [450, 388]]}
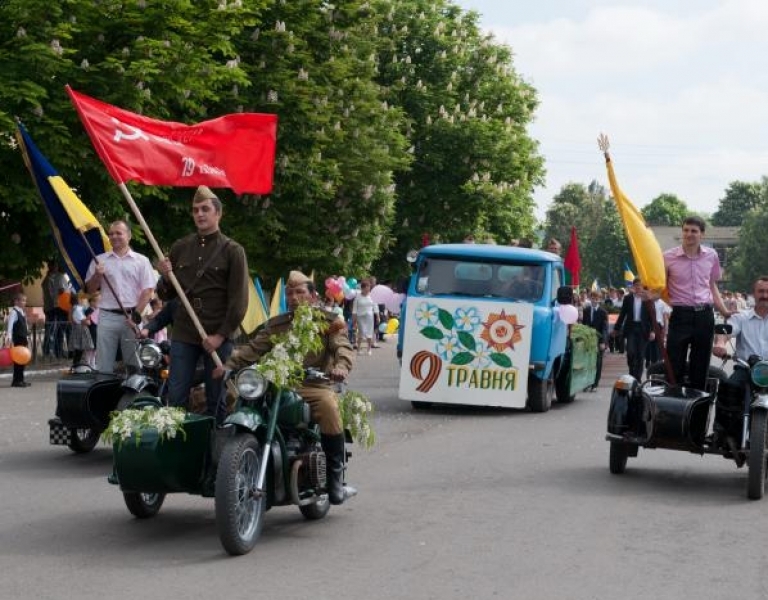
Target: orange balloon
{"points": [[21, 355]]}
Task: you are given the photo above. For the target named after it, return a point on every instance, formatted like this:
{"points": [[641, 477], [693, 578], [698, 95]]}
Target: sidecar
{"points": [[655, 415], [84, 400], [147, 467]]}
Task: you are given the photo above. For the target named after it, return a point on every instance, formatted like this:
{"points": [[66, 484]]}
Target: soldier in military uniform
{"points": [[213, 272], [336, 360]]}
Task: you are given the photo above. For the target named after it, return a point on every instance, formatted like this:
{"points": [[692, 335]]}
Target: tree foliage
{"points": [[602, 244], [740, 198], [748, 259], [170, 60], [665, 210], [396, 118], [474, 165]]}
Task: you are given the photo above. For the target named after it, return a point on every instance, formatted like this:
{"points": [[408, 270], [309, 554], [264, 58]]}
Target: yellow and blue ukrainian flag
{"points": [[74, 227]]}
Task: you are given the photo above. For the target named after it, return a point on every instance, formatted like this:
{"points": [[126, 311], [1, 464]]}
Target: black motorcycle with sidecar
{"points": [[85, 398], [726, 419]]}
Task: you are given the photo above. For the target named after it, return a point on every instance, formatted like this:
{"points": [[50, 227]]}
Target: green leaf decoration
{"points": [[462, 358], [446, 319], [432, 333], [467, 340], [501, 359]]}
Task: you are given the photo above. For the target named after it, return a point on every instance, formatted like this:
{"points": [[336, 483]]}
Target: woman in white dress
{"points": [[363, 309]]}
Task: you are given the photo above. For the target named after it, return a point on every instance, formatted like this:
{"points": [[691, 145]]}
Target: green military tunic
{"points": [[337, 353], [218, 293]]}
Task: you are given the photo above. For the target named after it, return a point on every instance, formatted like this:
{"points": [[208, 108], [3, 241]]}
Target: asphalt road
{"points": [[453, 503]]}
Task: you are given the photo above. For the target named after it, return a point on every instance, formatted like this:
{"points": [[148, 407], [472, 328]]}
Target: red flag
{"points": [[234, 151], [572, 261]]}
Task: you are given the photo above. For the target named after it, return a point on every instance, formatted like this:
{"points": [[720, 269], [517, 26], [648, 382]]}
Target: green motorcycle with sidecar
{"points": [[266, 453]]}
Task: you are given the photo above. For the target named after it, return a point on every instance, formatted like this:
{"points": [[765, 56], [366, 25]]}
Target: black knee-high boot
{"points": [[335, 455]]}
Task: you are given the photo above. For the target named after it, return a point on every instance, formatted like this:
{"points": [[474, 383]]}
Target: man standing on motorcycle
{"points": [[213, 271], [751, 330], [335, 359], [693, 271]]}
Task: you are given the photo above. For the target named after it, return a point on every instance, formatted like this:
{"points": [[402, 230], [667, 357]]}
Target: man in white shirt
{"points": [[751, 330], [127, 282]]}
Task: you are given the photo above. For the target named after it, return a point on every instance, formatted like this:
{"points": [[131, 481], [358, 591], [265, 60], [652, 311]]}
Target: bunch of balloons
{"points": [[17, 354], [341, 288]]}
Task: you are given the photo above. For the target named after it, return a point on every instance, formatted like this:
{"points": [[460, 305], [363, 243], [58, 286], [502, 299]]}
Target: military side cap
{"points": [[203, 193], [296, 278]]}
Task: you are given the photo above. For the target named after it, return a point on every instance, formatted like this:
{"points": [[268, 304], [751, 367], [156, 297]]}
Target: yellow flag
{"points": [[277, 304], [646, 252], [255, 315]]}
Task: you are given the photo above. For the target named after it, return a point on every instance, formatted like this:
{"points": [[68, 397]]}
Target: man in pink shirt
{"points": [[693, 271]]}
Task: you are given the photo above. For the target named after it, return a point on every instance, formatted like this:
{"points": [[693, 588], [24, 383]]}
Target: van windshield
{"points": [[453, 277]]}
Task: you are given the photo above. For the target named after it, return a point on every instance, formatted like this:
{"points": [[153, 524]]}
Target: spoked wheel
{"points": [[143, 506], [618, 458], [316, 510], [239, 512], [83, 440], [758, 439]]}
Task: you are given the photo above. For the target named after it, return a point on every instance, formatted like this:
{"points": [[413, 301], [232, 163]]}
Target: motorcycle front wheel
{"points": [[239, 511], [83, 440], [758, 439], [143, 506]]}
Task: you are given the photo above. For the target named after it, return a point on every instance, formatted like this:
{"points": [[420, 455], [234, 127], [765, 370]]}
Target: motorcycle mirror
{"points": [[723, 329]]}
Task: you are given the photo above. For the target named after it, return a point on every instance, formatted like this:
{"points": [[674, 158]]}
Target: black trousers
{"points": [[599, 367], [690, 338], [636, 343], [18, 370]]}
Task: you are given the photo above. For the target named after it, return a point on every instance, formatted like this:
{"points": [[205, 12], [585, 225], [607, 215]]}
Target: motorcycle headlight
{"points": [[150, 355], [250, 383], [760, 374]]}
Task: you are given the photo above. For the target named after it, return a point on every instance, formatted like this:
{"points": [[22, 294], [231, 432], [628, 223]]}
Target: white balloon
{"points": [[569, 314]]}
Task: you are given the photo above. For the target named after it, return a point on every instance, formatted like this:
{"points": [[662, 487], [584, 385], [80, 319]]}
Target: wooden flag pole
{"points": [[171, 275]]}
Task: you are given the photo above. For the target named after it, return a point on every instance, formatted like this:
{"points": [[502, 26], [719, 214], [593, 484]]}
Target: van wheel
{"points": [[563, 382], [539, 394], [420, 405]]}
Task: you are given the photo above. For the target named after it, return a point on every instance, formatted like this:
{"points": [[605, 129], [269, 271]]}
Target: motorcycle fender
{"points": [[760, 401], [250, 421], [136, 382]]}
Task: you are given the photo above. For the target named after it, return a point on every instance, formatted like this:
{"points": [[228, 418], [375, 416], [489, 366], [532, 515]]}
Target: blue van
{"points": [[480, 326]]}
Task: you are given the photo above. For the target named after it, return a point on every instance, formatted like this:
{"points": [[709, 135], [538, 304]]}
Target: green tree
{"points": [[665, 210], [740, 198], [339, 144], [602, 244], [171, 60], [474, 165], [748, 259]]}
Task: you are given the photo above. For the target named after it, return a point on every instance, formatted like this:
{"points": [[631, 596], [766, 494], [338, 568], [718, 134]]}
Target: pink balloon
{"points": [[569, 314], [5, 357]]}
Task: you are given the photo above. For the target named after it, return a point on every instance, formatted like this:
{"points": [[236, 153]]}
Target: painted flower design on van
{"points": [[462, 338], [467, 319], [448, 347], [426, 314]]}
